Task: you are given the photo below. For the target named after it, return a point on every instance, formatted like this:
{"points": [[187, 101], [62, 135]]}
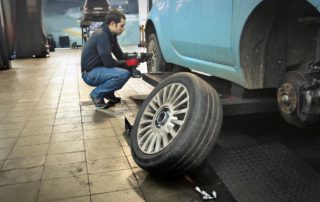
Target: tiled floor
{"points": [[55, 146]]}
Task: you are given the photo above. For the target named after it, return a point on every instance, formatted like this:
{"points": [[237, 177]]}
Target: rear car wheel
{"points": [[157, 63], [177, 125]]}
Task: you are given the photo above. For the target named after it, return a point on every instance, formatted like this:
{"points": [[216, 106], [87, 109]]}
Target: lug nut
{"points": [[207, 197], [285, 98], [197, 189], [214, 194]]}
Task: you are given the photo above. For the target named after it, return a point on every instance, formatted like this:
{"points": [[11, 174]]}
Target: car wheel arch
{"points": [[256, 39]]}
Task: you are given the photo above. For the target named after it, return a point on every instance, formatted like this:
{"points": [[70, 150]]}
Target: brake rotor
{"points": [[288, 97]]}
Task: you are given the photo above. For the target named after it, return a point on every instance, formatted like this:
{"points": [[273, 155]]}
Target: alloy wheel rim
{"points": [[163, 118]]}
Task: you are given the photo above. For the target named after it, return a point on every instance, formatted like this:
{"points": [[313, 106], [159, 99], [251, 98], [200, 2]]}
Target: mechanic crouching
{"points": [[100, 69]]}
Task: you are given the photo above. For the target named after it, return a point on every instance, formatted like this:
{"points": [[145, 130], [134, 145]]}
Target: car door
{"points": [[201, 30]]}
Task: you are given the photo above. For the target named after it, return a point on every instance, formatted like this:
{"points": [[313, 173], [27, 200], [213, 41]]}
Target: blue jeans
{"points": [[106, 80]]}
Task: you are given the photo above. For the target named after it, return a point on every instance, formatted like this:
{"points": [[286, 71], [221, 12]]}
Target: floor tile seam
{"points": [[60, 164], [69, 176], [90, 150], [66, 152], [84, 144], [11, 108], [64, 141], [65, 177], [25, 157], [52, 129], [67, 198], [11, 120], [139, 185], [3, 130], [14, 144], [6, 137], [30, 145], [121, 157], [65, 164], [66, 117], [23, 168], [126, 189], [4, 185], [118, 190], [110, 171], [33, 135], [61, 124], [98, 137], [131, 167]]}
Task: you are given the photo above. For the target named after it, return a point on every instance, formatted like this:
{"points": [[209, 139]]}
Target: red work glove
{"points": [[133, 62]]}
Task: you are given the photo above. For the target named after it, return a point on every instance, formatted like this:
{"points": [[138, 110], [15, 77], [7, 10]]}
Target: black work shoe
{"points": [[99, 103], [136, 73], [112, 98]]}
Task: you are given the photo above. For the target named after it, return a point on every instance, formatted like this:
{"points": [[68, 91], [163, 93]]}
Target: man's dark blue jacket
{"points": [[98, 50]]}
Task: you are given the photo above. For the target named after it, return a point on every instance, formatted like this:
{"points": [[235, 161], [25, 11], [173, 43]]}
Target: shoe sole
{"points": [[112, 100], [103, 106]]}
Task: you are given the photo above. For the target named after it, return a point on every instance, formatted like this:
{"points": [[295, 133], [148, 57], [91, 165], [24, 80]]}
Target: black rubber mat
{"points": [[266, 173]]}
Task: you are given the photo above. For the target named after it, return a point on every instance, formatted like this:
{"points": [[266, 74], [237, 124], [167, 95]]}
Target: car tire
{"points": [[177, 125], [157, 63]]}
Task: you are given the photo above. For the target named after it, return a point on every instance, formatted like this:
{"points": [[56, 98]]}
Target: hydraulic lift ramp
{"points": [[256, 171], [232, 105]]}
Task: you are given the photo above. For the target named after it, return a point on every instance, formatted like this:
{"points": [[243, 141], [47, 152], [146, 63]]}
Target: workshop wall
{"points": [[62, 18]]}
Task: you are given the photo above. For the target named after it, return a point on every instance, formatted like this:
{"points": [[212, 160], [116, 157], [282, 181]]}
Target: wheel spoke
{"points": [[153, 106], [181, 102], [170, 92], [178, 97], [182, 111], [168, 127], [165, 139], [158, 99], [152, 142], [148, 114], [158, 144], [177, 122], [143, 129], [175, 94], [173, 133], [147, 142], [146, 121], [145, 136], [164, 98]]}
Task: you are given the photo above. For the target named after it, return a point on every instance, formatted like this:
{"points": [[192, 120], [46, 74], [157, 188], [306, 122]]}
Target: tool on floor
{"points": [[205, 195]]}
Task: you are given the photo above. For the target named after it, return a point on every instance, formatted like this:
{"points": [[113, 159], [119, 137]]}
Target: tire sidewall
{"points": [[184, 138]]}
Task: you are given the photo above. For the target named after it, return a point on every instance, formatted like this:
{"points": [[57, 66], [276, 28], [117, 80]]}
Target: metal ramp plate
{"points": [[231, 105], [265, 173]]}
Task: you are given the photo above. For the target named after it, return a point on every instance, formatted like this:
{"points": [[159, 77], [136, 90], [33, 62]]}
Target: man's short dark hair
{"points": [[115, 16]]}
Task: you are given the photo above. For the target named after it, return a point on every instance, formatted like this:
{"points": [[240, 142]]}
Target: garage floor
{"points": [[55, 146]]}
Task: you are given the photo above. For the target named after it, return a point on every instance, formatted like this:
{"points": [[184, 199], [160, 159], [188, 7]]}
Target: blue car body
{"points": [[206, 36]]}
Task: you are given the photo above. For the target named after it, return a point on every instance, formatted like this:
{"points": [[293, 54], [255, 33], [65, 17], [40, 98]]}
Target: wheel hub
{"points": [[287, 98], [162, 117]]}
